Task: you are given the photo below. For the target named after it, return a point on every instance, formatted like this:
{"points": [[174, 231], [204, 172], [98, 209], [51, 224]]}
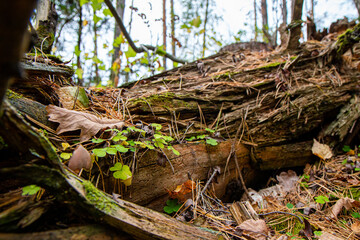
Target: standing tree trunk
{"points": [[45, 25], [114, 75], [284, 11], [295, 29], [357, 5], [97, 77], [79, 40], [205, 21], [265, 22], [173, 45], [255, 22], [164, 32]]}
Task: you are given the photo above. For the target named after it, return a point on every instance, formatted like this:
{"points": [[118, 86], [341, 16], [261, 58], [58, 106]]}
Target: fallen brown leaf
{"points": [[323, 151], [347, 203], [356, 227], [88, 124], [328, 236], [256, 229]]}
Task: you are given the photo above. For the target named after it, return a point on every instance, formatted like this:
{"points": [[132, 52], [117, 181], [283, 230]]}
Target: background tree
{"points": [[164, 32], [115, 60], [357, 5], [295, 25]]}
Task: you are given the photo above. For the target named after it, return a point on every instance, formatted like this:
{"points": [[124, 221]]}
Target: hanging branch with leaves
{"points": [[142, 48]]}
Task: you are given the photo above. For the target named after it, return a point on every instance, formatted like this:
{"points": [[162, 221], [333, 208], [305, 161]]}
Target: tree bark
{"points": [[120, 8], [357, 5], [265, 23], [164, 31], [295, 28], [205, 22]]}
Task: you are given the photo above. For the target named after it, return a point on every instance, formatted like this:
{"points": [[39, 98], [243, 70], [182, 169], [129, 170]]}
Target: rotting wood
{"points": [[138, 221], [79, 232]]}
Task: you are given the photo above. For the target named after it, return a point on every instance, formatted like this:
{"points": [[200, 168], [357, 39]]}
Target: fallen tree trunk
{"points": [[264, 110]]}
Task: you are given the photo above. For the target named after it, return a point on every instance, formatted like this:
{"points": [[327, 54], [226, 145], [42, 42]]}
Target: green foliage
{"points": [[172, 206], [318, 233], [321, 199], [355, 215], [211, 141], [346, 148], [121, 171], [65, 155], [289, 206], [30, 190]]}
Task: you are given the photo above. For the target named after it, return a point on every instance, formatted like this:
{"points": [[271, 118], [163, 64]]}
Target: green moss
{"points": [[270, 66], [166, 101], [283, 227], [347, 39], [13, 95], [98, 198]]}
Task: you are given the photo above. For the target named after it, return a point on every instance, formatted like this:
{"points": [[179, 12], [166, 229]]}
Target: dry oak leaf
{"points": [[88, 124], [346, 202]]}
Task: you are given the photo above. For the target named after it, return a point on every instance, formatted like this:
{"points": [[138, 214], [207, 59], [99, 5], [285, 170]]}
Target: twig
{"points": [[280, 212], [216, 170], [172, 167]]}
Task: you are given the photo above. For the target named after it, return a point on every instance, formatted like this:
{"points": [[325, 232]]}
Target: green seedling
{"points": [[321, 199], [172, 206], [30, 190]]}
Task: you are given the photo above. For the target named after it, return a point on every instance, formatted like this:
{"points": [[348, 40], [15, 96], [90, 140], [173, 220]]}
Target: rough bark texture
{"points": [[295, 28]]}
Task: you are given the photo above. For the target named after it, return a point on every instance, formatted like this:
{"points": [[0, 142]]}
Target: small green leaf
{"points": [[209, 130], [117, 167], [97, 140], [172, 206], [111, 150], [357, 169], [211, 141], [344, 162], [144, 60], [130, 53], [176, 152], [119, 40], [160, 51], [318, 233], [119, 137], [289, 206], [190, 138], [107, 12], [201, 136], [100, 152], [79, 73], [196, 22], [65, 155], [121, 148], [156, 126], [82, 2], [120, 175], [355, 215], [30, 190], [346, 148], [77, 51], [321, 199], [96, 19]]}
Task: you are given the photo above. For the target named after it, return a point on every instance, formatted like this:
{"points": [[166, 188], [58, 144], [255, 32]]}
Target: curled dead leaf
{"points": [[88, 124], [347, 203], [80, 159]]}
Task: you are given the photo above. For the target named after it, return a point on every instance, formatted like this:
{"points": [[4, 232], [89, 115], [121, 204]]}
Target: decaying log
{"points": [[135, 220], [91, 232]]}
